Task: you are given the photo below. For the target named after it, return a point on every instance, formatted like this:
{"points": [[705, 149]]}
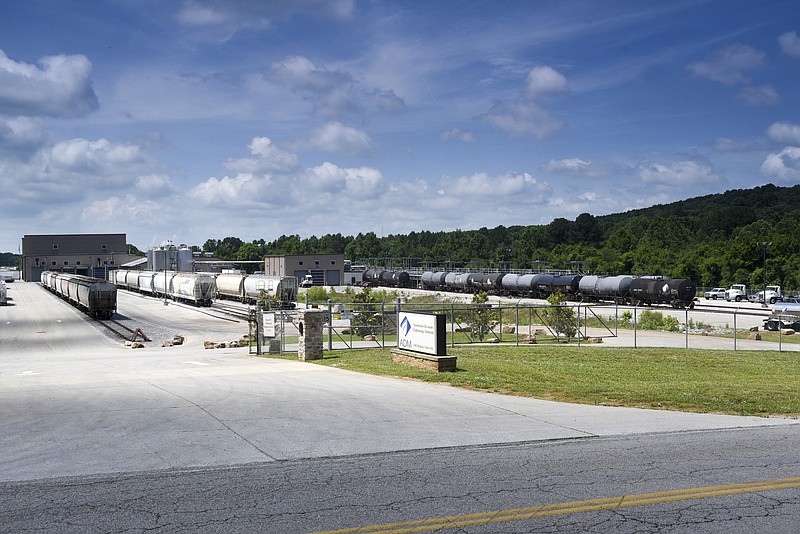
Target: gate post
{"points": [[309, 346]]}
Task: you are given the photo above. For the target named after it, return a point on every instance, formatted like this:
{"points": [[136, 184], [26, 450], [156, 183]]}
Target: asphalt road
{"points": [[727, 482], [95, 437]]}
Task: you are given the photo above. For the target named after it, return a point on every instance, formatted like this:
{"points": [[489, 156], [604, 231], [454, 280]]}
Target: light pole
{"points": [[166, 261], [764, 245]]}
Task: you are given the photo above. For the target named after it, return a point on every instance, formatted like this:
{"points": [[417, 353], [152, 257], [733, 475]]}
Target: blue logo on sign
{"points": [[405, 324]]}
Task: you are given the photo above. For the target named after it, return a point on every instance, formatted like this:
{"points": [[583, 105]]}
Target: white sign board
{"points": [[269, 325], [421, 332]]}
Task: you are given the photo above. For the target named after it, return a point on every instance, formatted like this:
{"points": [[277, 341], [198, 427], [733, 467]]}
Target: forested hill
{"points": [[712, 240]]}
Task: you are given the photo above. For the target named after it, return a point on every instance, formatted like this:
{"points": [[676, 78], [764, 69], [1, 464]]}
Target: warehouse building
{"points": [[86, 254], [325, 269]]}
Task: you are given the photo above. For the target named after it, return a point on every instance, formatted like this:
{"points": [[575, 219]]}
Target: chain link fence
{"points": [[374, 325]]}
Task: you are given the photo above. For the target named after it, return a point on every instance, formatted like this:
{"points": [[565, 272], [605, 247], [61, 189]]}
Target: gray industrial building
{"points": [[325, 269], [87, 254]]}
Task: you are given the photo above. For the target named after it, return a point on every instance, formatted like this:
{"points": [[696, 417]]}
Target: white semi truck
{"points": [[737, 292], [771, 295]]}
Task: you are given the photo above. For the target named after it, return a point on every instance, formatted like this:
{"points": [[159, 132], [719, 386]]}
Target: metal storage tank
{"points": [[185, 259]]}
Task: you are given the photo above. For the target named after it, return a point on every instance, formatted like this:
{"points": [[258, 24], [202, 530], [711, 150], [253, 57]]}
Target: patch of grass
{"points": [[741, 382]]}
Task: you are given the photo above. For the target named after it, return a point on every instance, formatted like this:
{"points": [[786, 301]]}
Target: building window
{"points": [[300, 262], [316, 262], [53, 264], [333, 262], [55, 246], [103, 247], [77, 263]]}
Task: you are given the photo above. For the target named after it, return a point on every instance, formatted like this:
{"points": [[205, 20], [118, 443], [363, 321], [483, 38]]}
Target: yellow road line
{"points": [[517, 514]]}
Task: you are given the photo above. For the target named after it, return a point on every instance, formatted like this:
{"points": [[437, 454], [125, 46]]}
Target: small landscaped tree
{"points": [[560, 318]]}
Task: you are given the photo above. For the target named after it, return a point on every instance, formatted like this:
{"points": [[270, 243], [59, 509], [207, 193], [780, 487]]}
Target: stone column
{"points": [[309, 346]]}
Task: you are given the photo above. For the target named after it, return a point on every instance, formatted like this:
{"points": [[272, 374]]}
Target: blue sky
{"points": [[195, 120]]}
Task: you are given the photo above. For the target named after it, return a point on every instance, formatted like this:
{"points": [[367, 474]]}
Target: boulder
{"points": [[754, 336], [509, 329]]}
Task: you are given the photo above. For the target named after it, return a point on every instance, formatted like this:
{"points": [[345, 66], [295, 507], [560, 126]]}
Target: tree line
{"points": [[714, 240]]}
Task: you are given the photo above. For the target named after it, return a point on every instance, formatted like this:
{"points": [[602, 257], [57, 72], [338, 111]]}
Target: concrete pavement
{"points": [[72, 402]]}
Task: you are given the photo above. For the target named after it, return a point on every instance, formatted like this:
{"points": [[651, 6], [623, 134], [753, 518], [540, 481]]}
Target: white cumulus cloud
{"points": [[784, 165], [337, 138], [60, 86], [784, 132], [545, 81], [266, 158], [677, 174]]}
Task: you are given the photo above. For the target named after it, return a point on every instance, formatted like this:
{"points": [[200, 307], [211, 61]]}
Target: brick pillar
{"points": [[309, 346]]}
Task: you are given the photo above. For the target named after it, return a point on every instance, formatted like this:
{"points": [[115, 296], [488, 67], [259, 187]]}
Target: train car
{"points": [[616, 288], [162, 283], [231, 286], [96, 297], [197, 288], [606, 288], [144, 282], [567, 284], [3, 293], [372, 276], [284, 288], [433, 280], [542, 285], [491, 282], [677, 292]]}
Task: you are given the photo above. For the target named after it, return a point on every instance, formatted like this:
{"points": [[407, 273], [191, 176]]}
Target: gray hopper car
{"points": [[97, 298], [248, 288]]}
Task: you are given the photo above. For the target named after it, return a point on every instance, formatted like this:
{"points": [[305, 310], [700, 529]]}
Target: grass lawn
{"points": [[740, 382]]}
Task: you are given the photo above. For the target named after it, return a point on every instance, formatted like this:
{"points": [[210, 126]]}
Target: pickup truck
{"points": [[714, 294]]}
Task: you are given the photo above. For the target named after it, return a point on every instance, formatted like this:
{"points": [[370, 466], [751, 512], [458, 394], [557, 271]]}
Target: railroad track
{"points": [[237, 311], [122, 331]]}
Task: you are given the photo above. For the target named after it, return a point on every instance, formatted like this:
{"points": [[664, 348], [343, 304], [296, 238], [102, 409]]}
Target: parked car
{"points": [[714, 294]]}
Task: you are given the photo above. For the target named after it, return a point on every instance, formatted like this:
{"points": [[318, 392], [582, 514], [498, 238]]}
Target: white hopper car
{"points": [[197, 288], [248, 288]]}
